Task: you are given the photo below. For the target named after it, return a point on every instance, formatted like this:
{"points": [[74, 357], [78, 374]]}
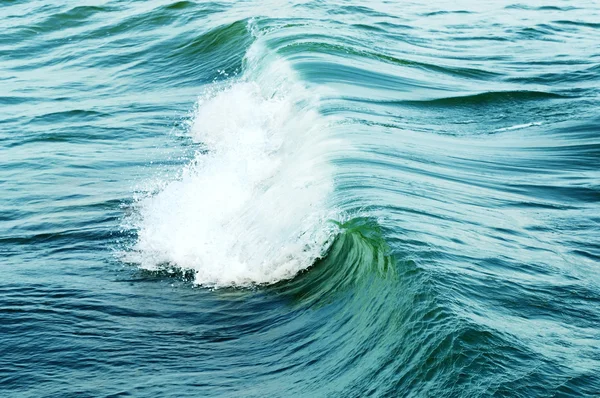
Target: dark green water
{"points": [[308, 199]]}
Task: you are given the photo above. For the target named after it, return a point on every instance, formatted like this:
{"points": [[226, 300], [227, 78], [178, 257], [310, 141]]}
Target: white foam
{"points": [[255, 208], [518, 126]]}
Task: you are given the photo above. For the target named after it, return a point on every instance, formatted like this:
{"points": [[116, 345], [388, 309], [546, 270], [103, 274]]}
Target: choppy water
{"points": [[314, 199]]}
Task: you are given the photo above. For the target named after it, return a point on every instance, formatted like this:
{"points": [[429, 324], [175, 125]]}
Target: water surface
{"points": [[314, 199]]}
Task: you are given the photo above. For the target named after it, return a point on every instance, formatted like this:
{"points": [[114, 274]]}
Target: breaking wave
{"points": [[253, 206]]}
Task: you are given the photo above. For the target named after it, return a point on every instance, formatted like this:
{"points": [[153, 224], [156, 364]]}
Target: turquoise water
{"points": [[310, 199]]}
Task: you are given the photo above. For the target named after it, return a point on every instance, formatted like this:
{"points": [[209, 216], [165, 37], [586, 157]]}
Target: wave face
{"points": [[313, 199]]}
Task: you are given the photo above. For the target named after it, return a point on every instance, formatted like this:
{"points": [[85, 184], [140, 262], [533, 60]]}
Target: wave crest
{"points": [[253, 207]]}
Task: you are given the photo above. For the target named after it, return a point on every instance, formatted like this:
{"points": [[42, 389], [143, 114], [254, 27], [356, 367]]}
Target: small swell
{"points": [[486, 98]]}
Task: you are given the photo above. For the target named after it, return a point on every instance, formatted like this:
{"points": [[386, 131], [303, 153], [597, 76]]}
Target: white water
{"points": [[255, 208]]}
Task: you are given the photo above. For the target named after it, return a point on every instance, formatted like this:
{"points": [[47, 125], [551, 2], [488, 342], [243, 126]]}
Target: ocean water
{"points": [[300, 198]]}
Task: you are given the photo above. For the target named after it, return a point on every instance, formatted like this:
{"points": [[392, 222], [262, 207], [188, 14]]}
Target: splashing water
{"points": [[253, 208]]}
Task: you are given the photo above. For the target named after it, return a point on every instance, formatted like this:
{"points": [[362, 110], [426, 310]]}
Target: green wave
{"points": [[358, 254]]}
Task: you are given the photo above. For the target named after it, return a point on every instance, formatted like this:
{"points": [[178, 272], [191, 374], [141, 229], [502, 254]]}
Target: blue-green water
{"points": [[309, 199]]}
